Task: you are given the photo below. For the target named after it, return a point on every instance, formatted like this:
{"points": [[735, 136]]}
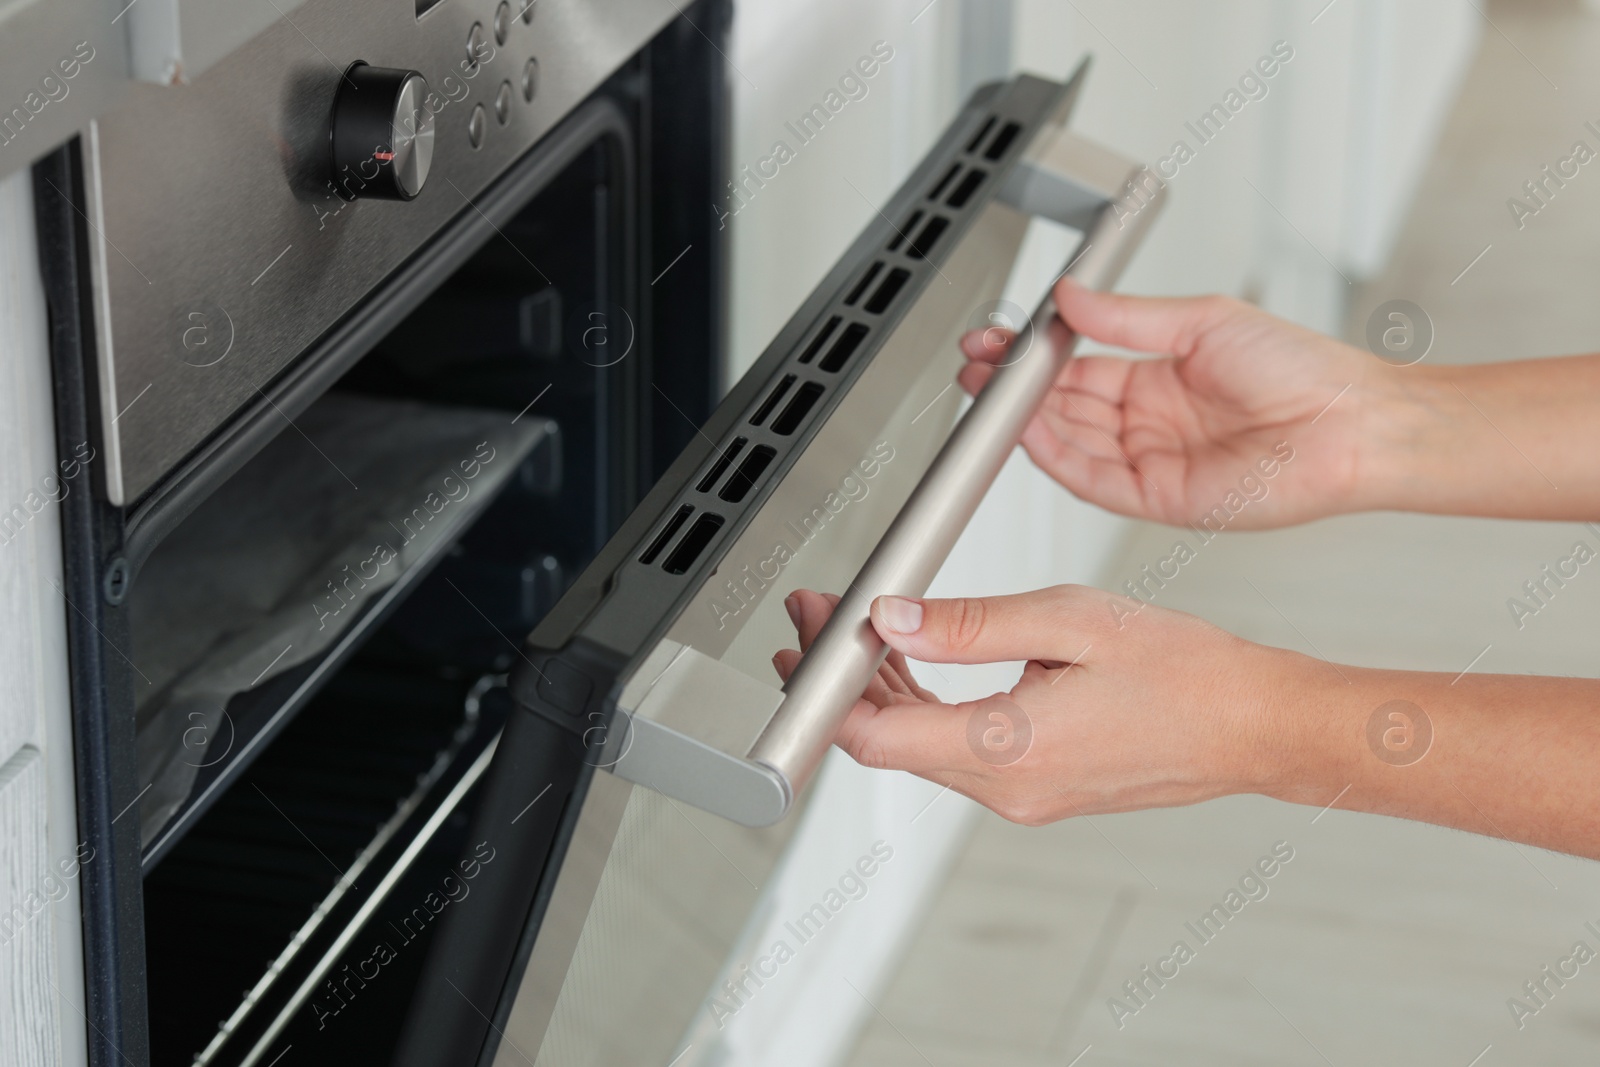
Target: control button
{"points": [[527, 10], [530, 79], [380, 135], [502, 22], [477, 47], [502, 103], [476, 126]]}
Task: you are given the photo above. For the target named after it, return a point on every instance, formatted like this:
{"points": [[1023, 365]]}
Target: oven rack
{"points": [[201, 724], [305, 858]]}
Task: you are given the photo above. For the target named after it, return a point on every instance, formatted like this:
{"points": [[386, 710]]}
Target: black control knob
{"points": [[380, 134]]}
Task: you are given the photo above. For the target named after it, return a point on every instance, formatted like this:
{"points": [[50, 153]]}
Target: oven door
{"points": [[603, 915]]}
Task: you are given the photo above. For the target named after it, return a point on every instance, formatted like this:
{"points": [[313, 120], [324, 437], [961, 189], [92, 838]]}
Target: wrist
{"points": [[1405, 430], [1306, 736]]}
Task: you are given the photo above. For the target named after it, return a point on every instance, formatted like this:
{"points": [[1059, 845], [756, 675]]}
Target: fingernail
{"points": [[791, 604], [899, 614]]}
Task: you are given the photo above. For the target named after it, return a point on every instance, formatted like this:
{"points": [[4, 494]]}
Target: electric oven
{"points": [[423, 606]]}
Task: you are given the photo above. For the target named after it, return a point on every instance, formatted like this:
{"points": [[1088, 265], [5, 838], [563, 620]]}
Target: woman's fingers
{"points": [[1110, 482], [988, 345], [923, 738], [973, 377], [810, 611], [785, 662], [1105, 377]]}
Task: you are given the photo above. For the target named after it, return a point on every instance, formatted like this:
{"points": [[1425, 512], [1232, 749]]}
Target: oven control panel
{"points": [[239, 218]]}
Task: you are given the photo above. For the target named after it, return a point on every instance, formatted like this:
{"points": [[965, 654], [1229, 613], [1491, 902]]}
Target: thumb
{"points": [[999, 629]]}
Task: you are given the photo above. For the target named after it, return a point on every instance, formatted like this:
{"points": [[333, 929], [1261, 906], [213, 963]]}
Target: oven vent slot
{"points": [[861, 286], [944, 183], [885, 295], [744, 479], [805, 398], [963, 192], [843, 348], [1002, 140], [673, 525], [924, 241], [693, 543], [900, 234], [777, 393], [983, 131], [834, 341], [729, 454], [813, 348]]}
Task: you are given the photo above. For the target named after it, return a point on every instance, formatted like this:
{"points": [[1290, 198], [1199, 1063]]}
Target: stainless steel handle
{"points": [[1067, 180]]}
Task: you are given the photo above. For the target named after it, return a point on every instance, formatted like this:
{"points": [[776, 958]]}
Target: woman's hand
{"points": [[1165, 710], [1239, 391]]}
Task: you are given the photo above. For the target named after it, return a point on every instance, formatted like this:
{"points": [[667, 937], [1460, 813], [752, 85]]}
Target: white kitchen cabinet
{"points": [[41, 969]]}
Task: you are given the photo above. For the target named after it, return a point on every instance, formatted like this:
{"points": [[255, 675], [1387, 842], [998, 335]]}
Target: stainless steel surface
{"points": [[61, 63], [411, 137], [844, 656], [213, 196], [173, 41]]}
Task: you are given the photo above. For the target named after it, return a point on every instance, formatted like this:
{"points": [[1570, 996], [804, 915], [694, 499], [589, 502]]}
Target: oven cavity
{"points": [[324, 641]]}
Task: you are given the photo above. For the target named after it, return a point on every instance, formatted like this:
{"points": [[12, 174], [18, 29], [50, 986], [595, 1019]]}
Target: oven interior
{"points": [[291, 888]]}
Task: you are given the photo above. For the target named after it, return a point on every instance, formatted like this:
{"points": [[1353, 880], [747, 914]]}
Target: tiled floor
{"points": [[1380, 941]]}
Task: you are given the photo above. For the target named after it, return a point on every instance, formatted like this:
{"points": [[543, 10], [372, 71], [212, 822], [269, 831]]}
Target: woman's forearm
{"points": [[1508, 756], [1509, 440]]}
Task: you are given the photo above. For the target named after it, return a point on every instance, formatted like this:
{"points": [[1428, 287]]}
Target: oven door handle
{"points": [[840, 663], [1111, 201]]}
